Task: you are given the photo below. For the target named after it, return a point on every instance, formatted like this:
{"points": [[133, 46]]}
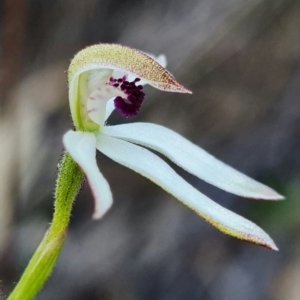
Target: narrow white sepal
{"points": [[193, 159], [152, 167], [82, 147]]}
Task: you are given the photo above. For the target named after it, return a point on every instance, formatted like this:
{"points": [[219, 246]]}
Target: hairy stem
{"points": [[70, 178]]}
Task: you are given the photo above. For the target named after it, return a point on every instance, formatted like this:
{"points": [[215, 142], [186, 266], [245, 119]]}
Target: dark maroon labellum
{"points": [[129, 106]]}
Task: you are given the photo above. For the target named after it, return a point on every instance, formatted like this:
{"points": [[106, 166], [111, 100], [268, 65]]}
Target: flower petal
{"points": [[161, 59], [151, 166], [192, 158], [117, 57], [82, 147]]}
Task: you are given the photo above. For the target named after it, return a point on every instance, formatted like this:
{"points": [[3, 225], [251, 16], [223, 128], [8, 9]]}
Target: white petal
{"points": [[98, 98], [110, 107], [82, 147], [192, 158], [151, 166]]}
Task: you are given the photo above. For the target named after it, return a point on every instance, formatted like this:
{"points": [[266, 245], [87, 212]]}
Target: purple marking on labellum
{"points": [[126, 109], [128, 106], [92, 110]]}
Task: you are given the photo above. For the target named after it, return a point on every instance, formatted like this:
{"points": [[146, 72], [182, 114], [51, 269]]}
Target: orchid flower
{"points": [[107, 76]]}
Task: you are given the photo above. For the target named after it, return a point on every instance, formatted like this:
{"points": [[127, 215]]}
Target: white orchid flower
{"points": [[107, 76]]}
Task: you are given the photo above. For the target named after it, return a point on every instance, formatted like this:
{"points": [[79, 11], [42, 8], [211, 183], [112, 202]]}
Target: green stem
{"points": [[69, 181]]}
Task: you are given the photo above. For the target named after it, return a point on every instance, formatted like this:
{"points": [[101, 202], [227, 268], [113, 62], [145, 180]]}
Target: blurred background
{"points": [[241, 60]]}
